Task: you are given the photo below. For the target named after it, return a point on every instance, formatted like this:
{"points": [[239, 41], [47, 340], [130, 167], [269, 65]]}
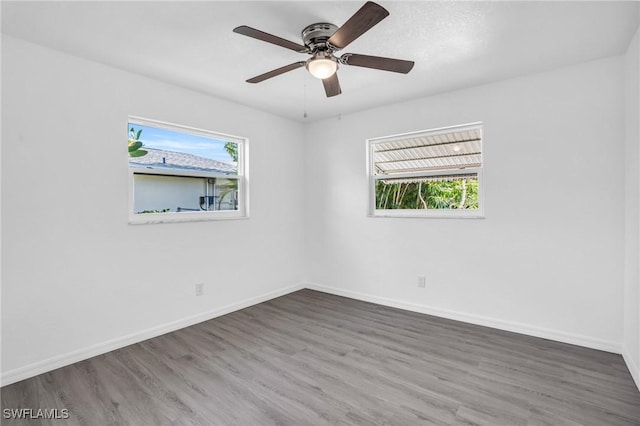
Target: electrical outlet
{"points": [[422, 281], [199, 289]]}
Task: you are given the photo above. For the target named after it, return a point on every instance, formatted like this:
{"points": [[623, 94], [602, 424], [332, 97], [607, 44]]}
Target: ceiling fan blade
{"points": [[332, 86], [361, 22], [269, 38], [377, 62], [276, 72]]}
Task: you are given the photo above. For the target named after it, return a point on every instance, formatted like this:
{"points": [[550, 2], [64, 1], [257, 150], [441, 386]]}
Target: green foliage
{"points": [[135, 145], [138, 153], [225, 190], [232, 150], [156, 211], [456, 194]]}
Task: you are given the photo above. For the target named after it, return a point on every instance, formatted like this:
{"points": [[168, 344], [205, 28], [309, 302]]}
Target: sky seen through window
{"points": [[168, 140]]}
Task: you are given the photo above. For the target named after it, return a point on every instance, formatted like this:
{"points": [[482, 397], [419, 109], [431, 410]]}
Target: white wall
{"points": [[159, 192], [548, 258], [154, 192], [75, 274], [631, 348]]}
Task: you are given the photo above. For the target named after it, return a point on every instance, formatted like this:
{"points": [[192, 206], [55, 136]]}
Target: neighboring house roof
{"points": [[158, 158]]}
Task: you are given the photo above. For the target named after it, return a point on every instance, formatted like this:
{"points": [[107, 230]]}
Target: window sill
{"points": [[421, 214], [153, 218]]}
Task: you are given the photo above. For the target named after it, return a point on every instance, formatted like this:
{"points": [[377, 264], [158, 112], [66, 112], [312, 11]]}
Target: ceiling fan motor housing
{"points": [[316, 35]]}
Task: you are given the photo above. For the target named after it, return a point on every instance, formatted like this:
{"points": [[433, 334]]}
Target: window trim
{"points": [[372, 211], [242, 177]]}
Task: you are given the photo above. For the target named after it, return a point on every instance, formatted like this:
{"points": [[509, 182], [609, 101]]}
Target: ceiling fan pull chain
{"points": [[304, 96]]}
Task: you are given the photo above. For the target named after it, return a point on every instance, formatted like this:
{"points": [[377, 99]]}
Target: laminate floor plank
{"points": [[310, 358]]}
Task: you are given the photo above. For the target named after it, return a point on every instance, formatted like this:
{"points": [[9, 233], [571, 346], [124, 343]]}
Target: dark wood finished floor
{"points": [[310, 358]]}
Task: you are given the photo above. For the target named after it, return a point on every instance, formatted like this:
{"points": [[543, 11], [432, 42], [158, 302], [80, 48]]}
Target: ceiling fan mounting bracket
{"points": [[316, 35], [344, 59]]}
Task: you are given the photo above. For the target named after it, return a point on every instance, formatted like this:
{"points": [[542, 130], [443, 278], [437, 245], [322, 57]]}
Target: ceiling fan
{"points": [[322, 40]]}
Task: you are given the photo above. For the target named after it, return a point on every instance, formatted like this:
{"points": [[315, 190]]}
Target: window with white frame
{"points": [[178, 173], [431, 173]]}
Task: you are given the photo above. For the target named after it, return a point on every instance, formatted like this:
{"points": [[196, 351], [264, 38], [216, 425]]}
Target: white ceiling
{"points": [[454, 44]]}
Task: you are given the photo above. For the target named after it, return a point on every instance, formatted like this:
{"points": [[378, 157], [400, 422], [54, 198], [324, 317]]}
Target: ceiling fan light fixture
{"points": [[322, 66]]}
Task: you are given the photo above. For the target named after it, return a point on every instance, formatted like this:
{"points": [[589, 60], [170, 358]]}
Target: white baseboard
{"points": [[43, 366], [530, 330], [40, 367], [631, 365]]}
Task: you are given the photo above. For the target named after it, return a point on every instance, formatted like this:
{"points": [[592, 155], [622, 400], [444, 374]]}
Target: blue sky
{"points": [[168, 140]]}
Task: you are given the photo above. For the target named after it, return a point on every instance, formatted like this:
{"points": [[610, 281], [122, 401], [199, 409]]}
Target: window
{"points": [[178, 174], [432, 173]]}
